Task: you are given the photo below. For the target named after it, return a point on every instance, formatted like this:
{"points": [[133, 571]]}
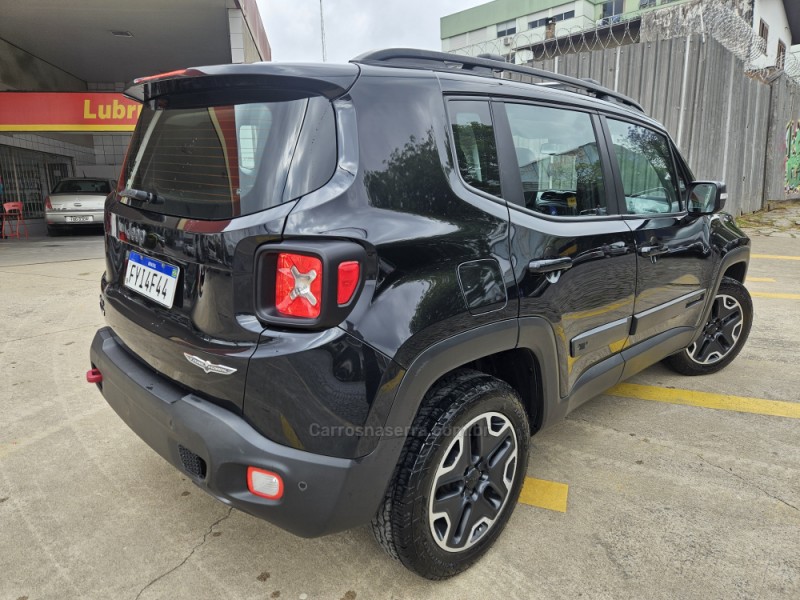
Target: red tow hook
{"points": [[94, 376]]}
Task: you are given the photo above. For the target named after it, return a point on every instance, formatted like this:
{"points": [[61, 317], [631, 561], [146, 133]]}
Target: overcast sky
{"points": [[353, 27]]}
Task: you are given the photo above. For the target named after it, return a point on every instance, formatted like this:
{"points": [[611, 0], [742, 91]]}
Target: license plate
{"points": [[85, 219], [152, 278]]}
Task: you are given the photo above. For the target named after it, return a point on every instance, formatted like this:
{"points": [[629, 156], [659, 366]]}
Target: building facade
{"points": [[76, 57], [508, 27]]}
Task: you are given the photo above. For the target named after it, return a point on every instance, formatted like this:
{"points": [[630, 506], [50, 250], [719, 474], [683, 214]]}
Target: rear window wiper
{"points": [[141, 196]]}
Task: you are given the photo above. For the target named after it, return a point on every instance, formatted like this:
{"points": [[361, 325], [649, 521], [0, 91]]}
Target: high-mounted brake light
{"points": [[166, 75], [264, 483], [349, 275], [298, 285]]}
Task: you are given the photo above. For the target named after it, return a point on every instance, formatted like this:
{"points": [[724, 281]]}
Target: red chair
{"points": [[12, 214]]}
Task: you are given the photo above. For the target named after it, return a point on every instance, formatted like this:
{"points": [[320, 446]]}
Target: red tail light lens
{"points": [[47, 204], [298, 285], [349, 276]]}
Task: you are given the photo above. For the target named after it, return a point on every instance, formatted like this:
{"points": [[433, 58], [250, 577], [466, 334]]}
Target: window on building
{"points": [[570, 14], [612, 8], [476, 150], [558, 160], [611, 11], [646, 169], [763, 32], [506, 28], [780, 61], [646, 3]]}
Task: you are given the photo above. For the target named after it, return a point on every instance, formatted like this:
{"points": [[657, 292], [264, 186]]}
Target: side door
{"points": [[673, 250], [573, 254]]}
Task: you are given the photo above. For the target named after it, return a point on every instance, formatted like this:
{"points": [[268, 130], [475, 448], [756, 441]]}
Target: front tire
{"points": [[723, 335], [459, 476]]}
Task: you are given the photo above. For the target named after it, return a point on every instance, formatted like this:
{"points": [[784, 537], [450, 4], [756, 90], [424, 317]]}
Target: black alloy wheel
{"points": [[473, 482], [458, 478], [723, 335]]}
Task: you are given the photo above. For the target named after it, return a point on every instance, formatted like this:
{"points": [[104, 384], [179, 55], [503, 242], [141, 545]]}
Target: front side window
{"points": [[476, 150], [558, 160], [646, 168]]}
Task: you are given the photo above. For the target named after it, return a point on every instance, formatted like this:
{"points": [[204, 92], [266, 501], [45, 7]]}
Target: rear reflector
{"points": [[349, 275], [298, 285], [94, 376], [264, 483]]}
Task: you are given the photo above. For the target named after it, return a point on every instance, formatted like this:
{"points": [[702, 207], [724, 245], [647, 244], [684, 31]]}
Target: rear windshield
{"points": [[82, 186], [222, 161]]}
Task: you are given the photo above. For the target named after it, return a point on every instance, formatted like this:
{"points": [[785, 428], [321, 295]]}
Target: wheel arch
{"points": [[521, 352]]}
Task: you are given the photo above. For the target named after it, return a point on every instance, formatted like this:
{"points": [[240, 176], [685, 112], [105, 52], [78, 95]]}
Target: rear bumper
{"points": [[322, 494]]}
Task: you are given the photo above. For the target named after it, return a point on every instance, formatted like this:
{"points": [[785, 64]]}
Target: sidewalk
{"points": [[783, 220]]}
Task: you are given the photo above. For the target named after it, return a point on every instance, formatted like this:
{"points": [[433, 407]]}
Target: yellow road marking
{"points": [[761, 279], [775, 295], [775, 257], [757, 406], [551, 495]]}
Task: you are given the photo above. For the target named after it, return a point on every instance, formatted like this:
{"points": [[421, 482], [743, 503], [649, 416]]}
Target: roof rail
{"points": [[443, 61]]}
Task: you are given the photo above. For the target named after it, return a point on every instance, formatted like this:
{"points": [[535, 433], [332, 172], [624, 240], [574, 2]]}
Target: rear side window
{"points": [[558, 160], [227, 160], [476, 149]]}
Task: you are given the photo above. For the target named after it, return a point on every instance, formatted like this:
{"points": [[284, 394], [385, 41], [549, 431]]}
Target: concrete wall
{"points": [[244, 48], [782, 159]]}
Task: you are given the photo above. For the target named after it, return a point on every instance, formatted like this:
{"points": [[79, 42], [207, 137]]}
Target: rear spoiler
{"points": [[330, 81]]}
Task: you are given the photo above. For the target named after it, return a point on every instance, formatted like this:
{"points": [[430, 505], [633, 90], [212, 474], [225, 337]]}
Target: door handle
{"points": [[654, 250], [548, 265]]}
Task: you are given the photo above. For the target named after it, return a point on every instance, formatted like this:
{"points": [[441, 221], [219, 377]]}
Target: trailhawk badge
{"points": [[207, 366]]}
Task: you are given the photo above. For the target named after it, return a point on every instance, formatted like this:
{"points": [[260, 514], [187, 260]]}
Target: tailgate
{"points": [[210, 176]]}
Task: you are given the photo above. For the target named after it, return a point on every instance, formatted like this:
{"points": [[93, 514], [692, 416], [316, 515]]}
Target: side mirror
{"points": [[707, 197]]}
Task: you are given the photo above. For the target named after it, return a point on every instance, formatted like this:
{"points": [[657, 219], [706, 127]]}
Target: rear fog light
{"points": [[264, 483]]}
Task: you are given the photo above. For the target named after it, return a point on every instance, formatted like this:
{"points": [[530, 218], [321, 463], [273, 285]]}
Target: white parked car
{"points": [[76, 202]]}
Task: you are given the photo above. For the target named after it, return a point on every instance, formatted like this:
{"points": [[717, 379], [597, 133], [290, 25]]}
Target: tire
{"points": [[723, 336], [53, 231], [441, 537]]}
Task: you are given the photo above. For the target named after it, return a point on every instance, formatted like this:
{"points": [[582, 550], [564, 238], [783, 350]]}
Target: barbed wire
{"points": [[714, 18]]}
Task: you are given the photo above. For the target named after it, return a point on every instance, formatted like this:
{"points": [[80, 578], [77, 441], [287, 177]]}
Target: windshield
{"points": [[82, 186], [214, 162]]}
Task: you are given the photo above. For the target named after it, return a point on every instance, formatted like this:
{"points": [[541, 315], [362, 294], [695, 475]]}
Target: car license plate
{"points": [[85, 219], [152, 278]]}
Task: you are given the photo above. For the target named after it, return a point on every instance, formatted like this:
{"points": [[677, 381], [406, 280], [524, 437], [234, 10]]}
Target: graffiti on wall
{"points": [[792, 158]]}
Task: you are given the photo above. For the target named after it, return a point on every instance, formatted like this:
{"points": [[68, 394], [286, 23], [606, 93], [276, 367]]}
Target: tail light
{"points": [[298, 285], [311, 284], [47, 204], [346, 284]]}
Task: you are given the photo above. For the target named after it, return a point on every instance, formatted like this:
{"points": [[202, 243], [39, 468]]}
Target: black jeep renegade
{"points": [[342, 294]]}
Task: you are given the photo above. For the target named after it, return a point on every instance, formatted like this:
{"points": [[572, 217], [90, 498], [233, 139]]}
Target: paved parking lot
{"points": [[665, 493]]}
